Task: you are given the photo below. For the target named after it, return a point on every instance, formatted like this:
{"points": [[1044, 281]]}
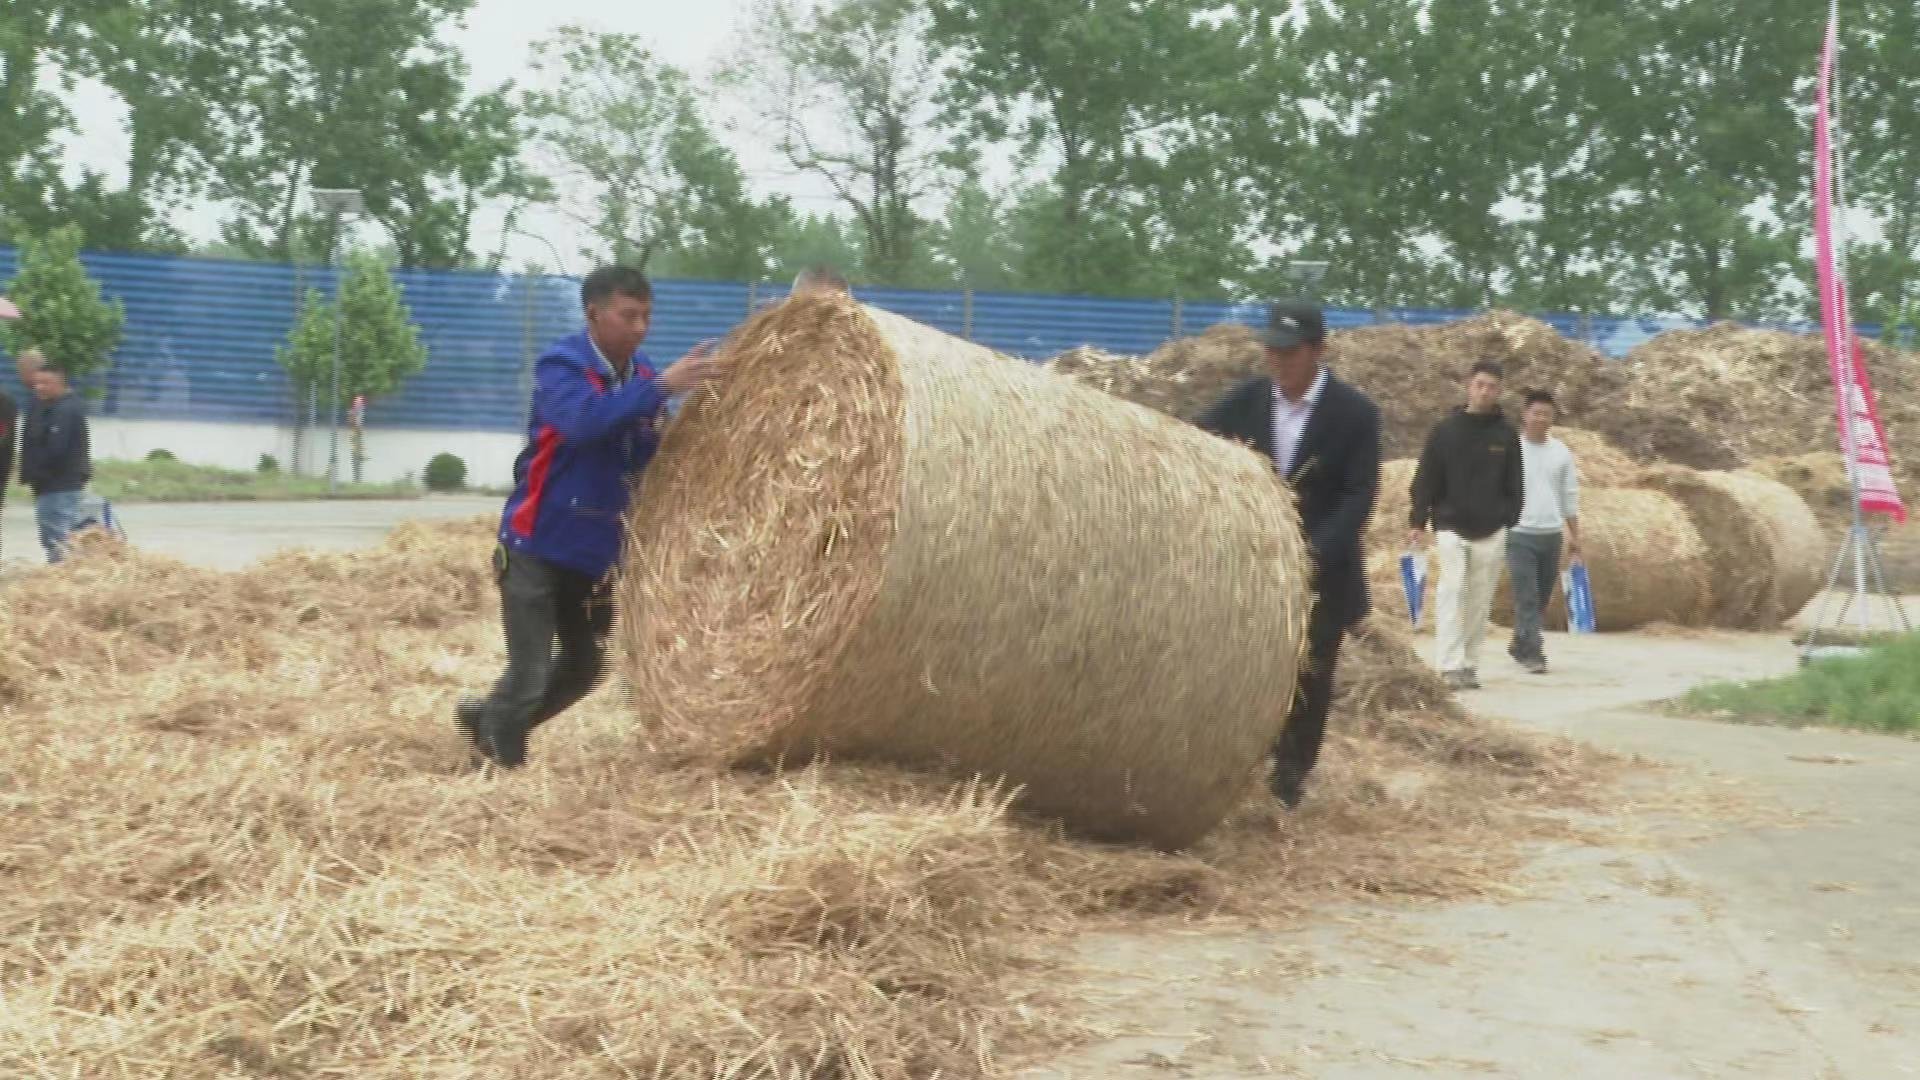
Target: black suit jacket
{"points": [[1335, 476]]}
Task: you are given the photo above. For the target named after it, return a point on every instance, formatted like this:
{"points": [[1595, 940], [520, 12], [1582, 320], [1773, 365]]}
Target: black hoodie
{"points": [[1468, 481]]}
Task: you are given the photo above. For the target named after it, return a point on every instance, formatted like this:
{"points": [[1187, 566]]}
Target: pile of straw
{"points": [[1417, 374], [884, 542], [248, 842], [1765, 551], [1766, 393], [1181, 378]]}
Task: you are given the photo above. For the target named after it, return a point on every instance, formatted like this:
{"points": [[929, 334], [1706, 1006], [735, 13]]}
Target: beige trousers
{"points": [[1469, 571]]}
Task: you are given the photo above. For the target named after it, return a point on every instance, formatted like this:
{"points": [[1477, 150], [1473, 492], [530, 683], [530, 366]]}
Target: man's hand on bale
{"points": [[693, 370]]}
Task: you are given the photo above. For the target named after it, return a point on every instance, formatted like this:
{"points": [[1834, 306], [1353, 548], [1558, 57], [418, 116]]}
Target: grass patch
{"points": [[1877, 691], [179, 481]]}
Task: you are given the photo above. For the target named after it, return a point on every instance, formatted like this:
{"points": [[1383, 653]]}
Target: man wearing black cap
{"points": [[1323, 438]]}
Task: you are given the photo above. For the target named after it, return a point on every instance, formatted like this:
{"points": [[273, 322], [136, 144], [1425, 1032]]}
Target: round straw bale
{"points": [[1599, 462], [880, 541], [1764, 547], [1819, 477], [1645, 557]]}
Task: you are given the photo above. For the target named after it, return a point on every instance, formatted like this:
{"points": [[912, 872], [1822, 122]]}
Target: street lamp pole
{"points": [[339, 204]]}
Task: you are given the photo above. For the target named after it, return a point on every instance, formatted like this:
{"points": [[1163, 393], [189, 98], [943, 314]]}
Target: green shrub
{"points": [[446, 472], [161, 454], [267, 465]]}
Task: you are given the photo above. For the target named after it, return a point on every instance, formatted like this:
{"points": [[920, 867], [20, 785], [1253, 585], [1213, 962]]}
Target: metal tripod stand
{"points": [[1862, 548]]}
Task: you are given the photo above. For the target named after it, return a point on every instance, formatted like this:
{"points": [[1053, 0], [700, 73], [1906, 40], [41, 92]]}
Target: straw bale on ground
{"points": [[883, 542], [1818, 477], [1599, 462], [1646, 559], [1764, 548]]}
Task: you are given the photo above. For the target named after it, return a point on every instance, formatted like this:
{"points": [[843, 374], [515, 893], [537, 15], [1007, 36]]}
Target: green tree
{"points": [[379, 345], [1124, 101], [806, 240], [974, 243], [1879, 97], [643, 171], [1703, 141], [364, 94], [172, 65], [63, 313], [849, 92]]}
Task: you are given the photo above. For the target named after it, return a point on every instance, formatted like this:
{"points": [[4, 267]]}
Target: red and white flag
{"points": [[1855, 408]]}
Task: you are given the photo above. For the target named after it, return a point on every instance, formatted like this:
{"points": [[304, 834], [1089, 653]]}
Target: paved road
{"points": [[1764, 951], [228, 536]]}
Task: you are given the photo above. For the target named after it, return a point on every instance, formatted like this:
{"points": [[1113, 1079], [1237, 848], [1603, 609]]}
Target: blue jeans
{"points": [[58, 513], [1533, 562]]}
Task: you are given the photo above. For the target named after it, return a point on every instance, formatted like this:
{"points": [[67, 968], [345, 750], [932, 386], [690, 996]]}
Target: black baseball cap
{"points": [[1293, 322]]}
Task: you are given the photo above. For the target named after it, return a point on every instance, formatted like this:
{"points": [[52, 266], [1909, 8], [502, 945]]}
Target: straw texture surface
{"points": [[1646, 560], [1765, 550], [880, 541]]}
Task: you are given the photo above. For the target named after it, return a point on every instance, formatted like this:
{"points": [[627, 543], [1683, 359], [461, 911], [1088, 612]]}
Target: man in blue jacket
{"points": [[590, 431]]}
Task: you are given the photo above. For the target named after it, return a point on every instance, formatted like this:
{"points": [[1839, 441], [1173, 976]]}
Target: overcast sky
{"points": [[497, 39]]}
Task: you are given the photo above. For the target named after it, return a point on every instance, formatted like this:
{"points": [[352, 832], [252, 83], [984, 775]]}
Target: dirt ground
{"points": [[1754, 916], [1767, 932]]}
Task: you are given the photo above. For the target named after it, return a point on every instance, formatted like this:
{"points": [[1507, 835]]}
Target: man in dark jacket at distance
{"points": [[1468, 487], [1323, 438], [591, 430], [56, 459]]}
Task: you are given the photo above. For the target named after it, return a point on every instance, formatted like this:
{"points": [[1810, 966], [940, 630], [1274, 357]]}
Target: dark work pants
{"points": [[1533, 562], [557, 624], [1299, 745]]}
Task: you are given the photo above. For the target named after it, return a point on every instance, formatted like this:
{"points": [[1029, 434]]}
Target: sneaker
{"points": [[1472, 679], [1536, 666], [1457, 680], [505, 748]]}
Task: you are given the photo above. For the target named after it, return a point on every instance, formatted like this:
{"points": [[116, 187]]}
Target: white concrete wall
{"points": [[392, 453]]}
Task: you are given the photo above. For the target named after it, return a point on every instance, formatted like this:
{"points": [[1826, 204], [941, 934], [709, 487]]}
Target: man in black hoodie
{"points": [[56, 460], [1468, 487]]}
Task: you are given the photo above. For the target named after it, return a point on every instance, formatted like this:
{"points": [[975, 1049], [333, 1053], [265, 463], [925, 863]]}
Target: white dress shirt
{"points": [[1290, 420]]}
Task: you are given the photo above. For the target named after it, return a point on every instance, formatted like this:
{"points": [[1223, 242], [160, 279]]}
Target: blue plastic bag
{"points": [[1413, 582], [1579, 587]]}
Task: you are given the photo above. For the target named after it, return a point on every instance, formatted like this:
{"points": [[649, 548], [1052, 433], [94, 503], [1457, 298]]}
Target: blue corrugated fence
{"points": [[201, 333]]}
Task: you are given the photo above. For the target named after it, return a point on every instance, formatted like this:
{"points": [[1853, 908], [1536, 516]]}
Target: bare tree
{"points": [[849, 93]]}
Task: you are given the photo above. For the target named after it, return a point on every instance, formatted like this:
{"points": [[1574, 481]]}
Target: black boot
{"points": [[466, 717], [1287, 784]]}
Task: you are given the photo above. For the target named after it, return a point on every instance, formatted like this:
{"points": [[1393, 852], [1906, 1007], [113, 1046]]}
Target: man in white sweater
{"points": [[1551, 507]]}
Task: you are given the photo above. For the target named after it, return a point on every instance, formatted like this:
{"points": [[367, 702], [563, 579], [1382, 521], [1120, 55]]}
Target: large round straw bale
{"points": [[880, 541], [1764, 546], [1599, 462], [1645, 558], [1819, 477]]}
